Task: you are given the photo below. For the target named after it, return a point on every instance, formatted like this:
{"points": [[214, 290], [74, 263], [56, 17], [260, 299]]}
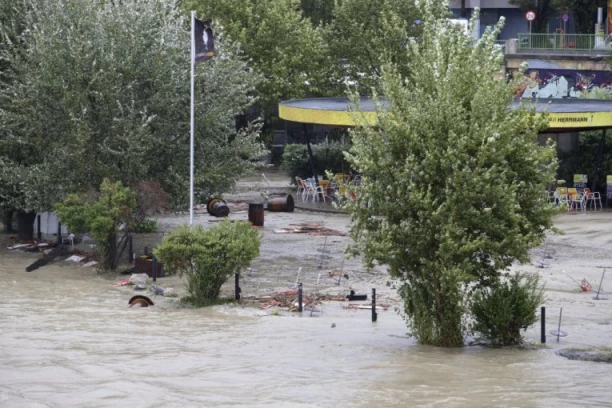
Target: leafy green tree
{"points": [[545, 10], [102, 91], [451, 178], [584, 12], [209, 257], [366, 34], [286, 49], [101, 214]]}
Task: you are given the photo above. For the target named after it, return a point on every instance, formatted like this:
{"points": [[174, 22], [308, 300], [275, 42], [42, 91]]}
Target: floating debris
{"points": [[310, 228]]}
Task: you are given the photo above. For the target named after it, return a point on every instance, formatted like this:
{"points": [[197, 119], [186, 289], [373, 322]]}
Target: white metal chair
{"points": [[593, 197], [311, 189]]}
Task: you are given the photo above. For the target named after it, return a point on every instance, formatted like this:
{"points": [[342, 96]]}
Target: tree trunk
{"points": [[25, 226], [7, 220], [110, 253]]}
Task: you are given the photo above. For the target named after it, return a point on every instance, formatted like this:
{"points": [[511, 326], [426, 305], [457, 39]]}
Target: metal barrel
{"points": [[256, 214], [217, 207], [281, 204]]}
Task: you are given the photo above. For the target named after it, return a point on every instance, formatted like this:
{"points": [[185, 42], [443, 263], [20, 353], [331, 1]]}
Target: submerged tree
{"points": [[452, 178], [100, 214]]}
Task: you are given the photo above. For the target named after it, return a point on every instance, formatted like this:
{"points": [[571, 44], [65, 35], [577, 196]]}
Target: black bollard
{"points": [[374, 314], [39, 232], [543, 325], [237, 289], [154, 268], [300, 297], [130, 250], [59, 233]]}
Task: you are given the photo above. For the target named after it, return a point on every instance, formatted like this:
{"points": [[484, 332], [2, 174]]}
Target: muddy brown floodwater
{"points": [[67, 339]]}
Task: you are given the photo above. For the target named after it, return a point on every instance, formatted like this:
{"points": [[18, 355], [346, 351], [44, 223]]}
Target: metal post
{"points": [[374, 314], [600, 283], [543, 325], [237, 289], [300, 297], [130, 250], [559, 329], [154, 268], [192, 119], [59, 233], [39, 234]]}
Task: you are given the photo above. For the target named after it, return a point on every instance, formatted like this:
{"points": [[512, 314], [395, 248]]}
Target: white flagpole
{"points": [[192, 117]]}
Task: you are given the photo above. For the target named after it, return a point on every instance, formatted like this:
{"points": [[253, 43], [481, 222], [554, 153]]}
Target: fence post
{"points": [[237, 289], [300, 297], [154, 268], [130, 250], [374, 314], [543, 325]]}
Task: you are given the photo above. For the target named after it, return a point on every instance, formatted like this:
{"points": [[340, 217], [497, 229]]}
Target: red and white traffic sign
{"points": [[530, 15]]}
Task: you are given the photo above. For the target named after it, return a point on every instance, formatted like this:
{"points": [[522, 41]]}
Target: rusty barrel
{"points": [[256, 214], [217, 207], [281, 204]]}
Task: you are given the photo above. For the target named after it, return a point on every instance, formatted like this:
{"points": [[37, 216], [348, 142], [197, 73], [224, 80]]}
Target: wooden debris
{"points": [[310, 228]]}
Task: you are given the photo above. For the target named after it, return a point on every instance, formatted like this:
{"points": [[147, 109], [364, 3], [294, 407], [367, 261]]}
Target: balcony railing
{"points": [[565, 42]]}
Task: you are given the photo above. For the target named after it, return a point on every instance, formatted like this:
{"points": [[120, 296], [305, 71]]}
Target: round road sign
{"points": [[565, 17], [530, 15]]}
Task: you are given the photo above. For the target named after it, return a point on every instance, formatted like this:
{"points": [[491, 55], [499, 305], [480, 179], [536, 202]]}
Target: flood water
{"points": [[68, 339]]}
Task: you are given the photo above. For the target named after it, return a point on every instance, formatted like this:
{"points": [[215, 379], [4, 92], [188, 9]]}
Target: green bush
{"points": [[326, 157], [209, 257], [100, 214], [502, 311], [144, 226]]}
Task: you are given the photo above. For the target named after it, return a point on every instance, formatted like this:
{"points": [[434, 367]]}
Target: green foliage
{"points": [[100, 215], [144, 226], [451, 178], [318, 11], [501, 311], [209, 257], [364, 35], [282, 46], [583, 160], [101, 90], [584, 12], [326, 157]]}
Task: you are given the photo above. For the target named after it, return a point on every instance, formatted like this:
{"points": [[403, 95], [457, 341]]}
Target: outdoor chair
{"points": [[301, 189], [561, 196], [577, 202], [593, 197], [311, 189]]}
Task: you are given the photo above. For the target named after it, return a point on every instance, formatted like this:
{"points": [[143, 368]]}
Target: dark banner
{"points": [[204, 41]]}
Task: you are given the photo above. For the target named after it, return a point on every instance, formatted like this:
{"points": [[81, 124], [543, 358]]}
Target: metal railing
{"points": [[564, 41]]}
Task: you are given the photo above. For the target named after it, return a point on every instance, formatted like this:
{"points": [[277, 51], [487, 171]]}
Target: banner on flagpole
{"points": [[204, 41]]}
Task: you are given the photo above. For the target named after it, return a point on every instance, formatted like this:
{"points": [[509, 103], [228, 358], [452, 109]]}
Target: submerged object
{"points": [[140, 301]]}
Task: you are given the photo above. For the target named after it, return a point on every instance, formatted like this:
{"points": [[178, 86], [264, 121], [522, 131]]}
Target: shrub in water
{"points": [[209, 257], [500, 312]]}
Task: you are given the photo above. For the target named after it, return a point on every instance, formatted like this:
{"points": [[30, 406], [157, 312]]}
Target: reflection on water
{"points": [[68, 339]]}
